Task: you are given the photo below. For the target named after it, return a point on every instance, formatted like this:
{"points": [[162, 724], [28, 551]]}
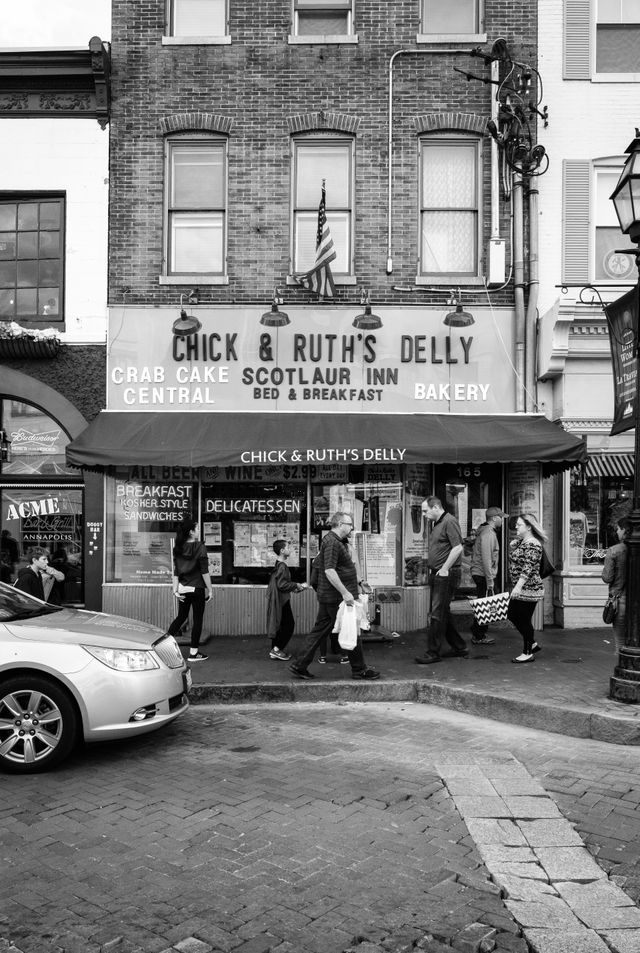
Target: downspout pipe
{"points": [[532, 303], [518, 281]]}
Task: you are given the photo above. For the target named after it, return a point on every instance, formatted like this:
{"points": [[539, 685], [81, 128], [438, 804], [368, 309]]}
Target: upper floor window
{"points": [[191, 18], [601, 40], [313, 161], [31, 257], [447, 17], [449, 207], [591, 236], [608, 263], [323, 17], [618, 36], [196, 207]]}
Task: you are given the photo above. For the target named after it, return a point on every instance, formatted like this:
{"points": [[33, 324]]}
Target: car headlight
{"points": [[123, 660]]}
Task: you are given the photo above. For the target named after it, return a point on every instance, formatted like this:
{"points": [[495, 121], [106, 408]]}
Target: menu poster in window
{"points": [[380, 558], [524, 491], [144, 557], [253, 543], [215, 564], [212, 534]]}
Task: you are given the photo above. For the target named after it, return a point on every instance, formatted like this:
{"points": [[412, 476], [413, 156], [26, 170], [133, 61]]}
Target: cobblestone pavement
{"points": [[323, 828]]}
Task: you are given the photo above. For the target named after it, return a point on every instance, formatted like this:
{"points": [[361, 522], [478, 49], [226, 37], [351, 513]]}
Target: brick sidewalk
{"points": [[564, 691]]}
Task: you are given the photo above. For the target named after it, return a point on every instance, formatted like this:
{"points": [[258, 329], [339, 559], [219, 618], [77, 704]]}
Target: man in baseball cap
{"points": [[484, 566]]}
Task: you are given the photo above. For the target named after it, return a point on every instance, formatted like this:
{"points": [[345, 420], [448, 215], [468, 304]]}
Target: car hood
{"points": [[77, 626]]}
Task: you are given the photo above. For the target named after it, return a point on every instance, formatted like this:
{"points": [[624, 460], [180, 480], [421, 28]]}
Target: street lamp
{"points": [[625, 683]]}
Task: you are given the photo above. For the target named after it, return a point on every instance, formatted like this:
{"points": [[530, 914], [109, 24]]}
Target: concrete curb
{"points": [[573, 722]]}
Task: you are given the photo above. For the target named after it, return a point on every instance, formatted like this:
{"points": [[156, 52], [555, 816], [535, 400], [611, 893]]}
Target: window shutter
{"points": [[576, 54], [576, 200]]}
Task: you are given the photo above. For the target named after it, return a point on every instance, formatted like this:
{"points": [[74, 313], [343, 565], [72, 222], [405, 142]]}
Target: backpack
{"points": [[316, 566]]}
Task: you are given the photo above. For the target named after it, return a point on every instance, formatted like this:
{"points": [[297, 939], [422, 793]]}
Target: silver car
{"points": [[70, 674]]}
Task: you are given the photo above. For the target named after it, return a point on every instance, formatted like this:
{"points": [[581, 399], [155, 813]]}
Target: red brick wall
{"points": [[259, 82]]}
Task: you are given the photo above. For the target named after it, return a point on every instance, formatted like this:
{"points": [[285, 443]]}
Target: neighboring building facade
{"points": [[590, 58], [54, 107], [416, 376]]}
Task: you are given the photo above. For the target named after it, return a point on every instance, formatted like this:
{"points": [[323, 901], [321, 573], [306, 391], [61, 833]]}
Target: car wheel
{"points": [[38, 724]]}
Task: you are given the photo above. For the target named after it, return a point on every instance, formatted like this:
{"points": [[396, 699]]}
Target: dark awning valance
{"points": [[226, 439]]}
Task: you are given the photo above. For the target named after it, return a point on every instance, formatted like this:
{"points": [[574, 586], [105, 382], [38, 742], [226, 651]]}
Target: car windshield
{"points": [[15, 604]]}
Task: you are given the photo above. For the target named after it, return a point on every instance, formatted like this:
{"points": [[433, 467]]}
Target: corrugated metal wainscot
{"points": [[241, 610]]}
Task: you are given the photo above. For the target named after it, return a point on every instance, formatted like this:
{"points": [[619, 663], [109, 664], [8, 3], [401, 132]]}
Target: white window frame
{"points": [[350, 36], [605, 76], [169, 274], [170, 37], [343, 142], [453, 140], [600, 168], [429, 36]]}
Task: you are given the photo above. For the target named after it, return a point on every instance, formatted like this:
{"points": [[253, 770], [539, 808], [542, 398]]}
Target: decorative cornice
{"points": [[461, 122], [47, 82], [196, 122], [590, 329], [595, 424], [336, 122]]}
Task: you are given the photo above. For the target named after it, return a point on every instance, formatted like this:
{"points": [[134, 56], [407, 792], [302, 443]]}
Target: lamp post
{"points": [[625, 683]]}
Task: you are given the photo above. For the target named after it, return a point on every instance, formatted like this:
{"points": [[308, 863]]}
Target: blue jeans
{"points": [[441, 625], [322, 629]]}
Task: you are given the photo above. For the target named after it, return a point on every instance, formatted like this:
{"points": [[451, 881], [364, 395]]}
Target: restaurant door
{"points": [[466, 490]]}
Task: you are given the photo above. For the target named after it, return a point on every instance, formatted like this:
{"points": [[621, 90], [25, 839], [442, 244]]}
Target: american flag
{"points": [[319, 279]]}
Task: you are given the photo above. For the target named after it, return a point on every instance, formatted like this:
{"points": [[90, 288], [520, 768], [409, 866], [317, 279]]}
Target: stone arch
{"points": [[19, 386], [321, 120], [195, 122], [451, 121]]}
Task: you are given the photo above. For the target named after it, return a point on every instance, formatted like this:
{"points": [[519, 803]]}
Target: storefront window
{"points": [[373, 496], [144, 508], [37, 442], [241, 522], [49, 517], [598, 499]]}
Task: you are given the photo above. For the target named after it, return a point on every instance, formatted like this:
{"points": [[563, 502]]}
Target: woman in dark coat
{"points": [[191, 584], [280, 621]]}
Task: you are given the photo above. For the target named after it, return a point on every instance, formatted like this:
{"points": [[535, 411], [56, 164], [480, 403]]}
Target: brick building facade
{"points": [[226, 120]]}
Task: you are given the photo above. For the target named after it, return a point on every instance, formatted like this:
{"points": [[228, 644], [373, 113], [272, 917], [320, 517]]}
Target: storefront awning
{"points": [[232, 439], [610, 464]]}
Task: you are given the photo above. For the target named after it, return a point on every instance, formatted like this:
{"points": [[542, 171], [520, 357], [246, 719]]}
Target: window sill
{"points": [[615, 78], [457, 281], [196, 40], [338, 281], [191, 280], [471, 38], [335, 38]]}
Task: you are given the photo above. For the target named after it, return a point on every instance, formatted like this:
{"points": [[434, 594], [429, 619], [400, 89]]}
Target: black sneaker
{"points": [[198, 657], [485, 641], [300, 672], [369, 674]]}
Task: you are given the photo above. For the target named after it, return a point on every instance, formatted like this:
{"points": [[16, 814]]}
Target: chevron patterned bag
{"points": [[490, 608]]}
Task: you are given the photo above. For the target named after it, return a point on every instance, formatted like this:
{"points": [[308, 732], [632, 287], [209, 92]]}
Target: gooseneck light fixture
{"points": [[458, 318], [275, 318], [366, 321], [187, 324], [624, 685]]}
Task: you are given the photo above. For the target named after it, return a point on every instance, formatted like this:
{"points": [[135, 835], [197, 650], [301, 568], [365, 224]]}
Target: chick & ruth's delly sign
{"points": [[319, 362]]}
